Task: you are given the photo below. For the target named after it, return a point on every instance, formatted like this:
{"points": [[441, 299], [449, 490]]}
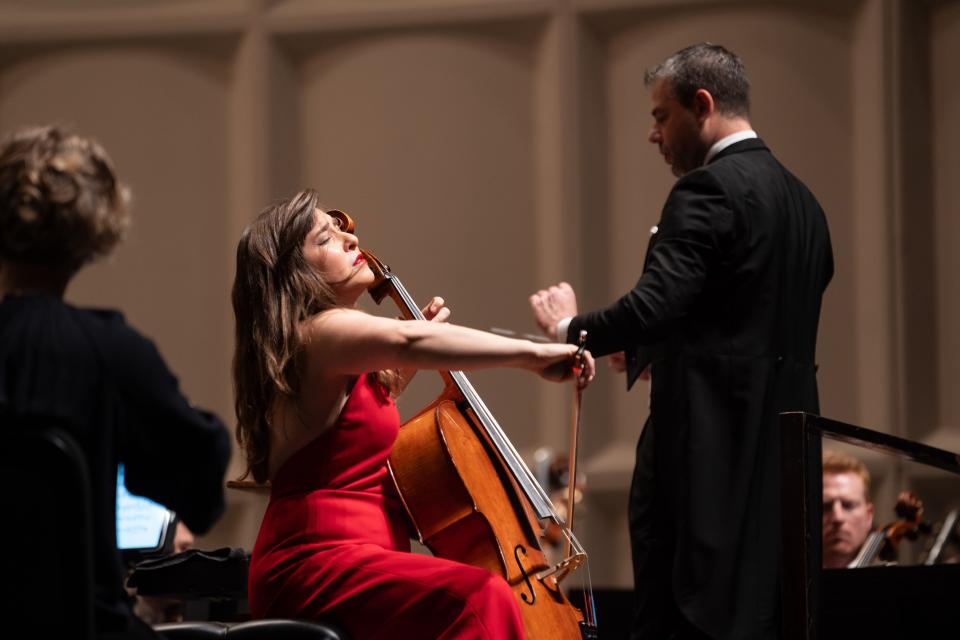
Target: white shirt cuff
{"points": [[562, 327]]}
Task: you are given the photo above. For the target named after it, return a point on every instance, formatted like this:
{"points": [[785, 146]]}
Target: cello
{"points": [[471, 498]]}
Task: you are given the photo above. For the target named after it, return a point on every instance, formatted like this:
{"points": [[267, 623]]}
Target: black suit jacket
{"points": [[726, 310]]}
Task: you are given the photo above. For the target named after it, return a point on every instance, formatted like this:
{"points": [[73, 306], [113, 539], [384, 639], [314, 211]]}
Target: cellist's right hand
{"points": [[556, 362]]}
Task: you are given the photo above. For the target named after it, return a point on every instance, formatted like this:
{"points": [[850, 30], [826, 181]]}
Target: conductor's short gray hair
{"points": [[706, 66]]}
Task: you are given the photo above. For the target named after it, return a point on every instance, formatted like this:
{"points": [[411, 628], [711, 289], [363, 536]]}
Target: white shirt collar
{"points": [[723, 143]]}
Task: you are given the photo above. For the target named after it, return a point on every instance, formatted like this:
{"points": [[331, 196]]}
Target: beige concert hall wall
{"points": [[488, 148]]}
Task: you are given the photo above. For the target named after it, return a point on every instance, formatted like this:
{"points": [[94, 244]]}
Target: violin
{"points": [[884, 543], [471, 498]]}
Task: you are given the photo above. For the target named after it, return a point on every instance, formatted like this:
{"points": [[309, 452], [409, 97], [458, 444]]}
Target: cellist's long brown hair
{"points": [[275, 289]]}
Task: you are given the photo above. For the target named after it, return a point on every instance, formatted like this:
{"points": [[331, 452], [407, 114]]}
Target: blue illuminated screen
{"points": [[141, 522]]}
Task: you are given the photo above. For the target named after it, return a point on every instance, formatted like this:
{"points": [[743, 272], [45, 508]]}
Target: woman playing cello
{"points": [[314, 381]]}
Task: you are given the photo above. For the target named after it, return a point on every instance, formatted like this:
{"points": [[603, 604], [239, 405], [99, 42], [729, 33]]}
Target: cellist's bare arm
{"points": [[350, 342], [435, 311]]}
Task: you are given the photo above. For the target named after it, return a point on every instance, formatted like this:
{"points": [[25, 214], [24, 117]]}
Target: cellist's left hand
{"points": [[435, 311]]}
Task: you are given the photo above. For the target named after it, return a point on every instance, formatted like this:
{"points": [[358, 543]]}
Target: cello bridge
{"points": [[563, 568]]}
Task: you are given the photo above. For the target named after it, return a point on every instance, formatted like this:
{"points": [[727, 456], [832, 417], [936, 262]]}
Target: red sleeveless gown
{"points": [[334, 545]]}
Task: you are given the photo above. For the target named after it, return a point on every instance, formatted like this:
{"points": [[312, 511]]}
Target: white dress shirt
{"points": [[723, 143]]}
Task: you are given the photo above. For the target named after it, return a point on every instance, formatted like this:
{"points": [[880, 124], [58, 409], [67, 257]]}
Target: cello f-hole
{"points": [[532, 598]]}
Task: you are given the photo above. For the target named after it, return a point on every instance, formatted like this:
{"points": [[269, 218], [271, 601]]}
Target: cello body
{"points": [[465, 507]]}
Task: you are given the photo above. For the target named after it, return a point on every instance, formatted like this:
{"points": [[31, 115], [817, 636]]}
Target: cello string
{"points": [[522, 465], [588, 601], [513, 459], [515, 463]]}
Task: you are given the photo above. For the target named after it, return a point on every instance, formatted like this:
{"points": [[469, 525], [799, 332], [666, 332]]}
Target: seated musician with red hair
{"points": [[847, 510]]}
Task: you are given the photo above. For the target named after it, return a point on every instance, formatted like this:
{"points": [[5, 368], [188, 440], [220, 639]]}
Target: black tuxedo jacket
{"points": [[726, 310]]}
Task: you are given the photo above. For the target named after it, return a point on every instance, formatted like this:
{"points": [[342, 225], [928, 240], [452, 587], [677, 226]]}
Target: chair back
{"points": [[46, 540]]}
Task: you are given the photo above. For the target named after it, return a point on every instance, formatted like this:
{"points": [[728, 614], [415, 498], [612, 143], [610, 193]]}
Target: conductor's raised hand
{"points": [[552, 305]]}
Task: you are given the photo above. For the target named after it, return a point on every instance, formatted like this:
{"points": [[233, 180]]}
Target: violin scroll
{"points": [[909, 525]]}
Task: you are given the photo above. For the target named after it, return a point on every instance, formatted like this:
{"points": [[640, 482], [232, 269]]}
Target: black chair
{"points": [[192, 630], [218, 575], [46, 541], [251, 630], [285, 630]]}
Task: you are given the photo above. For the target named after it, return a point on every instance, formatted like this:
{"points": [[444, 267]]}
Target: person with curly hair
{"points": [[88, 371]]}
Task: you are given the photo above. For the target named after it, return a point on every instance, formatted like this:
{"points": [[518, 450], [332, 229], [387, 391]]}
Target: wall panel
{"points": [[944, 24], [427, 138]]}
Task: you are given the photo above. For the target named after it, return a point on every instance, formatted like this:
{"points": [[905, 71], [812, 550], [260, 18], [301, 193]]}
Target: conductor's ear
{"points": [[703, 105]]}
